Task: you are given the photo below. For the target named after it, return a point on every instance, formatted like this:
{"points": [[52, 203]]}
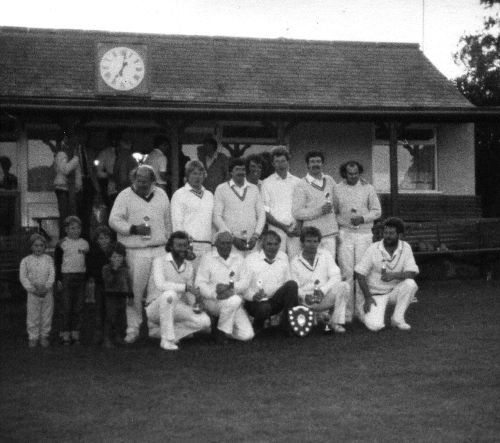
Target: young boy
{"points": [[117, 290], [69, 258], [36, 273], [97, 258]]}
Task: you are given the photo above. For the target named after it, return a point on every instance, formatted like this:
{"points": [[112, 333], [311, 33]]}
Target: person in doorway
{"points": [[158, 161], [216, 164]]}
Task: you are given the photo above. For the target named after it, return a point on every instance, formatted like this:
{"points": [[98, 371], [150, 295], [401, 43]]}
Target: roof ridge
{"points": [[156, 36]]}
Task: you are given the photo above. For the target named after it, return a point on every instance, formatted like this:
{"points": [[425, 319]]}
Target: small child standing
{"points": [[117, 290], [36, 273], [69, 258], [97, 258]]}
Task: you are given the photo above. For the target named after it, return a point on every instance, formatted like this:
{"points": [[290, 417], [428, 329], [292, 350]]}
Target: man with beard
{"points": [[141, 218], [170, 305], [314, 199], [386, 276], [238, 209]]}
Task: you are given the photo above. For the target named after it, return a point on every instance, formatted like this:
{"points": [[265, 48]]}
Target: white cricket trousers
{"points": [[199, 249], [351, 248], [289, 245], [335, 298], [330, 244], [233, 319], [174, 318], [39, 312], [139, 261], [400, 296]]}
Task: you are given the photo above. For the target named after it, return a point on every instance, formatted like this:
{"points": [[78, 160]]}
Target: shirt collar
{"points": [[316, 181], [232, 183], [169, 258], [190, 188], [384, 252]]}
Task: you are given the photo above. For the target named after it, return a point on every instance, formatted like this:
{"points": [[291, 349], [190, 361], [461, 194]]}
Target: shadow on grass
{"points": [[438, 382]]}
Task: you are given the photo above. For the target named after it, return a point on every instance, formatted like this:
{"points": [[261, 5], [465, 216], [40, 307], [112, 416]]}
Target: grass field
{"points": [[438, 382]]}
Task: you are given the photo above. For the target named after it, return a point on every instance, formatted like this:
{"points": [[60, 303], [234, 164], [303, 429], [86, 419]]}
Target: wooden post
{"points": [[176, 142], [393, 168]]}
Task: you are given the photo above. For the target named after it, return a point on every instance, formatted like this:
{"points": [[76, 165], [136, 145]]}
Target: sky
{"points": [[435, 24]]}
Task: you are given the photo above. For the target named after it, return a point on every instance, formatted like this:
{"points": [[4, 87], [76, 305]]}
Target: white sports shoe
{"points": [[403, 326], [168, 345]]}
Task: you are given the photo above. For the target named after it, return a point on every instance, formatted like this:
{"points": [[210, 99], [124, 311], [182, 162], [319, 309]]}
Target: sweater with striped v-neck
{"points": [[308, 198], [241, 215]]}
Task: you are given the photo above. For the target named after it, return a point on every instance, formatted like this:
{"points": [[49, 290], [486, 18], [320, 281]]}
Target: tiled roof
{"points": [[224, 71]]}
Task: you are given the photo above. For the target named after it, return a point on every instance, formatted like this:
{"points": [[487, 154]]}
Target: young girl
{"points": [[117, 291], [36, 273]]}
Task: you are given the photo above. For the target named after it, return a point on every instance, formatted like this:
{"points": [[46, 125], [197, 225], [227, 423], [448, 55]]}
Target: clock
{"points": [[121, 69]]}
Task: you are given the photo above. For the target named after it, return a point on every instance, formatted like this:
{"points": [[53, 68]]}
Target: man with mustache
{"points": [[314, 199]]}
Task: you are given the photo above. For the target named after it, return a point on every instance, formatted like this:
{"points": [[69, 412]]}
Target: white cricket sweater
{"points": [[192, 212], [308, 200], [237, 214], [131, 209]]}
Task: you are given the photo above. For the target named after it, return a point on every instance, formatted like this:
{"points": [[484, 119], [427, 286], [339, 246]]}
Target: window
{"points": [[416, 159]]}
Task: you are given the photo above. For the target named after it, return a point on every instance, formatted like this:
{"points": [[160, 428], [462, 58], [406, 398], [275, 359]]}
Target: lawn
{"points": [[438, 382]]}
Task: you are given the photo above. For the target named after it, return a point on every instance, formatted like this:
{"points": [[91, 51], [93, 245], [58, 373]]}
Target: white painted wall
{"points": [[456, 162]]}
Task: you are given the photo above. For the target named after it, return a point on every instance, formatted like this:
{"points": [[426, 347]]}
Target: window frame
{"points": [[381, 142]]}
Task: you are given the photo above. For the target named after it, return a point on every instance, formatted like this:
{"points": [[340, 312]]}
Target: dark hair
{"points": [[236, 161], [102, 229], [209, 140], [395, 222], [160, 140], [310, 231], [256, 158], [350, 163], [5, 162], [271, 233], [118, 248], [280, 151], [312, 154], [177, 234]]}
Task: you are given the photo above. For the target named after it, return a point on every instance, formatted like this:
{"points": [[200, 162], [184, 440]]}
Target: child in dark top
{"points": [[97, 258], [117, 292], [71, 273]]}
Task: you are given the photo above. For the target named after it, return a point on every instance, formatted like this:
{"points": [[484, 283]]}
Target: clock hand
{"points": [[120, 72]]}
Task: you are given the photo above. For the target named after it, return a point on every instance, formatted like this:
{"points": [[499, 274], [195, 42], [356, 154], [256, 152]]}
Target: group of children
{"points": [[75, 267]]}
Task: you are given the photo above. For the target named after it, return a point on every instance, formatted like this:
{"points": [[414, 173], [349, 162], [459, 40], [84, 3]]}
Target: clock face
{"points": [[122, 68]]}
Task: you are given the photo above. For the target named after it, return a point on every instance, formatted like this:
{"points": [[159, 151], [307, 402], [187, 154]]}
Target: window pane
{"points": [[416, 167]]}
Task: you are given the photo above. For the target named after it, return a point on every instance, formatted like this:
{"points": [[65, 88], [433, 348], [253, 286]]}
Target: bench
{"points": [[475, 241]]}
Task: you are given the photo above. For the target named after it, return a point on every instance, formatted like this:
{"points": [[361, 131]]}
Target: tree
{"points": [[479, 54]]}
